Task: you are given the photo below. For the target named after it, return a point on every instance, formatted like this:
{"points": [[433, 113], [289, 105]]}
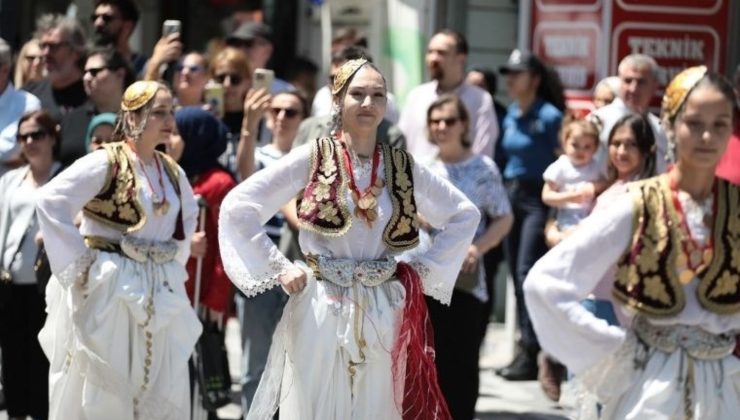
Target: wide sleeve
{"points": [[568, 273], [250, 258], [447, 209], [189, 217], [61, 199]]}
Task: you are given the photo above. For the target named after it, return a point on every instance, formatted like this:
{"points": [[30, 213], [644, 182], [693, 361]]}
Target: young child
{"points": [[572, 181]]}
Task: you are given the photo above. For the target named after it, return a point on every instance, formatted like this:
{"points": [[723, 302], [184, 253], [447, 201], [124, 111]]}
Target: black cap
{"points": [[522, 61], [249, 31]]}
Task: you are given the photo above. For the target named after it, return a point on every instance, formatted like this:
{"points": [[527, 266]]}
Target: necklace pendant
{"points": [[686, 276], [367, 202], [161, 208]]}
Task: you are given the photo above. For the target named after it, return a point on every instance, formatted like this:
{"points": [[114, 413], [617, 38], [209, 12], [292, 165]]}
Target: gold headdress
{"points": [[345, 73], [139, 94], [678, 90]]}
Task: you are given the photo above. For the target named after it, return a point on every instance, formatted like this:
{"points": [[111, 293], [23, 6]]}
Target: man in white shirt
{"points": [[638, 74], [445, 59], [13, 104]]}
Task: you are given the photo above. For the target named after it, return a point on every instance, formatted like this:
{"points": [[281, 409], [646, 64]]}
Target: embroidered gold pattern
{"points": [[648, 276], [402, 230], [118, 204]]}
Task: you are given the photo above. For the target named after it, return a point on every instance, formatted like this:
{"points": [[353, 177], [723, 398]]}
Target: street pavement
{"points": [[498, 400]]}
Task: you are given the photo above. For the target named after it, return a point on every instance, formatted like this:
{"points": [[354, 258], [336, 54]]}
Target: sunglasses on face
{"points": [[33, 135], [235, 79], [52, 46], [447, 121], [95, 70], [240, 43], [195, 68], [289, 112], [107, 18]]}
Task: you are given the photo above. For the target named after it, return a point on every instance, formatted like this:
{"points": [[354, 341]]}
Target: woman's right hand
{"points": [[256, 104], [293, 280]]}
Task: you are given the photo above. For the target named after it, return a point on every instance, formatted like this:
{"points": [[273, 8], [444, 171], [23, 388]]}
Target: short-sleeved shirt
{"points": [[569, 177], [530, 140], [58, 102]]}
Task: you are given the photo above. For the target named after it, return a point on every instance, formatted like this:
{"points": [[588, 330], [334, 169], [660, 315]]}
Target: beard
{"points": [[436, 72], [103, 39]]}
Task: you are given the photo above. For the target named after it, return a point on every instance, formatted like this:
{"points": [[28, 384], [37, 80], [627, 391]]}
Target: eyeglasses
{"points": [[195, 68], [289, 112], [52, 46], [447, 121], [95, 70], [235, 79], [240, 43], [33, 135], [107, 17]]}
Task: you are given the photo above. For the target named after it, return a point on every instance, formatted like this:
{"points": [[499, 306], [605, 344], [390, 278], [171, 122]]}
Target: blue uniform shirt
{"points": [[530, 140]]}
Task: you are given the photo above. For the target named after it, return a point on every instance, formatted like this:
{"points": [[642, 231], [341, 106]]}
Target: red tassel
{"points": [[414, 371]]}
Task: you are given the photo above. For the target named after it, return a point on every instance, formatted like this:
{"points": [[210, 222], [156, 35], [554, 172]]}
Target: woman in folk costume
{"points": [[677, 255], [354, 341], [120, 328]]}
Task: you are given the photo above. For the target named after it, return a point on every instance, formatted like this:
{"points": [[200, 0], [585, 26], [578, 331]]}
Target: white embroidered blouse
{"points": [[253, 262]]}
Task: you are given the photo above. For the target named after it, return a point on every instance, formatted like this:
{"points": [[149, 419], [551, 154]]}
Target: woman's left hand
{"points": [[471, 260], [198, 245]]}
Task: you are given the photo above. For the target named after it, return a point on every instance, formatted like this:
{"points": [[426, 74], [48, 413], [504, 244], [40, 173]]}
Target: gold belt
{"points": [[345, 272]]}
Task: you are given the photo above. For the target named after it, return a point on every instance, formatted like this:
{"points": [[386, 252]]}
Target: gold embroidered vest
{"points": [[323, 205], [118, 205], [647, 278]]}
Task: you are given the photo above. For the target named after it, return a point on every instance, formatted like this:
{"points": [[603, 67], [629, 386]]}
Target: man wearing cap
{"points": [[638, 74], [256, 40], [445, 59]]}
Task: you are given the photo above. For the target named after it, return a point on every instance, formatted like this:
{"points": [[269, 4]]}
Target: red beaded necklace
{"points": [[366, 202], [694, 258]]}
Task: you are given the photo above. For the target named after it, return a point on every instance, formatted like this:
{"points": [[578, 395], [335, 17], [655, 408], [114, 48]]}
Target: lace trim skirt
{"points": [[331, 352], [119, 338]]}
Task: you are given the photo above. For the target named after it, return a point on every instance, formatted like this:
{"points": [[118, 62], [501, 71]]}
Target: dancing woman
{"points": [[353, 340], [120, 328], [677, 256]]}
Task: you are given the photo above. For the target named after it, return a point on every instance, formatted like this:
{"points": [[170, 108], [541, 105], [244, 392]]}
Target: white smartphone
{"points": [[262, 79], [214, 97], [171, 26]]}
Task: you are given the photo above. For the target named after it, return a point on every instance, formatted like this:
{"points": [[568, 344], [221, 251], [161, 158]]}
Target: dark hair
{"points": [[645, 139], [127, 8], [717, 81], [47, 123], [301, 65], [461, 44], [462, 113], [114, 60], [353, 52], [491, 79], [301, 98], [551, 88]]}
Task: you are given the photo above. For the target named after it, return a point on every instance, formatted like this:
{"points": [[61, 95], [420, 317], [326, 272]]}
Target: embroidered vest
{"points": [[323, 207], [647, 278], [118, 205]]}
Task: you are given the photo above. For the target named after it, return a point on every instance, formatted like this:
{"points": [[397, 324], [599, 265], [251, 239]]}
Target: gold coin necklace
{"points": [[160, 204], [693, 258], [366, 202]]}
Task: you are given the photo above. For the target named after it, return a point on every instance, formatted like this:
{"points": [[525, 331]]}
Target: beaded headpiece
{"points": [[678, 90], [139, 94], [345, 72]]}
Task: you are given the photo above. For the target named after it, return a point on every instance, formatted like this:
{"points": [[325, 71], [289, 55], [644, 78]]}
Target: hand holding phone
{"points": [[171, 26]]}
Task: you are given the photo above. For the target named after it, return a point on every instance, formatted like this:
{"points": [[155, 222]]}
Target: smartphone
{"points": [[262, 79], [214, 98], [171, 26]]}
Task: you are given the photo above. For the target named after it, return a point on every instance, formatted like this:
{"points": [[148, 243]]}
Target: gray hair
{"points": [[71, 29], [640, 61], [612, 83], [5, 56]]}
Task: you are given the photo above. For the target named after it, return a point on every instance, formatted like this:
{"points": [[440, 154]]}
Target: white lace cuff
{"points": [[77, 271], [439, 290], [253, 281]]}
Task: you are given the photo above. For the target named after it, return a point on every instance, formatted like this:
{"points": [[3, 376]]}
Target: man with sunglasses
{"points": [[256, 40], [114, 21], [13, 103], [62, 42]]}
